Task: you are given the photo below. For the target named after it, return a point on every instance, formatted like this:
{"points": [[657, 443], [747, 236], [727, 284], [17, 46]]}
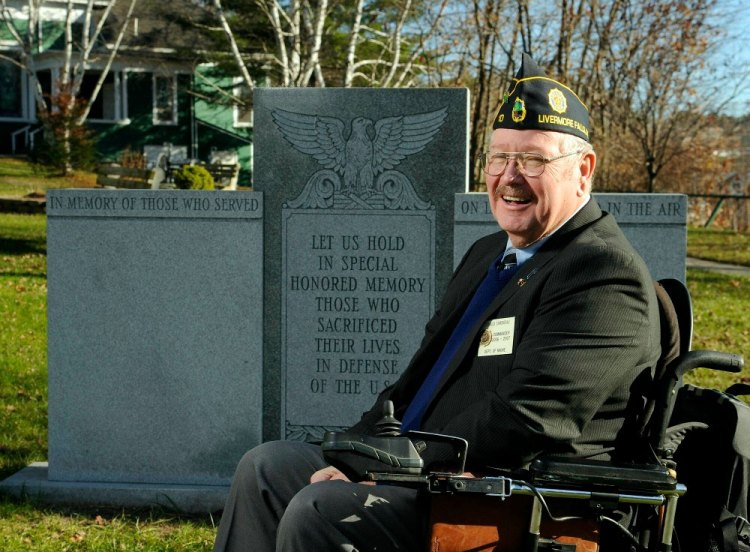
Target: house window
{"points": [[104, 107], [11, 91], [165, 100], [243, 106]]}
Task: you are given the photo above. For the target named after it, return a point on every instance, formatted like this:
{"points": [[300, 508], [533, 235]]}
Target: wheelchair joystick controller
{"points": [[388, 425], [388, 452], [359, 455]]}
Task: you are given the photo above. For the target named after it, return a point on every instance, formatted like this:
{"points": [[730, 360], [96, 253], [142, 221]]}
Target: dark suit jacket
{"points": [[586, 340]]}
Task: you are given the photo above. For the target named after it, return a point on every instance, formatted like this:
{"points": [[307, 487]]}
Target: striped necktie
{"points": [[500, 272]]}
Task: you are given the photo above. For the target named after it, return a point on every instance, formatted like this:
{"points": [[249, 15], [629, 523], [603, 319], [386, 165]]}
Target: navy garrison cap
{"points": [[537, 102]]}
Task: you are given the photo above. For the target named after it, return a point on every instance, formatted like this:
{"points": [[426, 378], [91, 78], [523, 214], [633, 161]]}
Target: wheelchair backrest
{"points": [[676, 324], [678, 296]]}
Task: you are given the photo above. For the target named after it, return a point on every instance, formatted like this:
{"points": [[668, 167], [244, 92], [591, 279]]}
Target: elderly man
{"points": [[540, 345]]}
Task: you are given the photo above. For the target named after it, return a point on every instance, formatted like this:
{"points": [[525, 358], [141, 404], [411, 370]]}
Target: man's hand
{"points": [[327, 474]]}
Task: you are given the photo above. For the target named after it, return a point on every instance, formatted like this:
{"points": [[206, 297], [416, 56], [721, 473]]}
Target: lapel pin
{"points": [[522, 281]]}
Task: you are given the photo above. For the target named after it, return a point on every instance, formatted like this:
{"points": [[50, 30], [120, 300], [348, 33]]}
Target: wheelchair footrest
{"points": [[623, 477]]}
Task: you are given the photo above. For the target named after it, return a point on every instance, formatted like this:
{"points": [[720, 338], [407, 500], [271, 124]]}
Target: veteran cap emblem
{"points": [[557, 100], [535, 101], [519, 110]]}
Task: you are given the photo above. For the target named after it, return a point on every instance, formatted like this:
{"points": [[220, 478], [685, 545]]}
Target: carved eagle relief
{"points": [[360, 162]]}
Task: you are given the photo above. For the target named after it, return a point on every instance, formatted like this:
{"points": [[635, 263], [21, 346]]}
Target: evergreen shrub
{"points": [[193, 177]]}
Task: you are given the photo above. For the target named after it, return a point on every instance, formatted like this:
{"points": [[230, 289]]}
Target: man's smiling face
{"points": [[530, 207]]}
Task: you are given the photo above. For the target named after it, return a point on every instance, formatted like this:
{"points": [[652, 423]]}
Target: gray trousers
{"points": [[273, 506]]}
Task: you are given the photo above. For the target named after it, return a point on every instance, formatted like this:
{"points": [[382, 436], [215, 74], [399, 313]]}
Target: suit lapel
{"points": [[546, 253], [464, 288], [472, 281]]}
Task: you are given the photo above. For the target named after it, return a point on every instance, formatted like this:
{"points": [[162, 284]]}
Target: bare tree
{"points": [[299, 32], [351, 51], [79, 55], [643, 67], [651, 89], [640, 66], [26, 41], [485, 92], [381, 49], [236, 54]]}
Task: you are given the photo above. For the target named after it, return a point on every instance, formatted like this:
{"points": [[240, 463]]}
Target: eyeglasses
{"points": [[529, 164]]}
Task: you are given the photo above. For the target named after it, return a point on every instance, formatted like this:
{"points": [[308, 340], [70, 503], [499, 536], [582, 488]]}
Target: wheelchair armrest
{"points": [[358, 455], [601, 475]]}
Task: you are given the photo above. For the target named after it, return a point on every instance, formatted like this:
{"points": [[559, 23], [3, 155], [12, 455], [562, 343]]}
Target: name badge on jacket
{"points": [[497, 337]]}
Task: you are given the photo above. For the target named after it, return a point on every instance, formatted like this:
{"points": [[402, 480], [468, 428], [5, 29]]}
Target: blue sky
{"points": [[735, 52]]}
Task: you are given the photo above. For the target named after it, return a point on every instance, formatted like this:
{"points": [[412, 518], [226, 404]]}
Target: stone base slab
{"points": [[33, 483]]}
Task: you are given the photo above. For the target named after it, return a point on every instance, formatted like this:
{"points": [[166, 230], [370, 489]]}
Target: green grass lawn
{"points": [[719, 245], [721, 318], [721, 304], [18, 178], [25, 527]]}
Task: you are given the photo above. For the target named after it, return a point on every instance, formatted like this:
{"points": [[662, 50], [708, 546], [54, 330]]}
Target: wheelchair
{"points": [[609, 506]]}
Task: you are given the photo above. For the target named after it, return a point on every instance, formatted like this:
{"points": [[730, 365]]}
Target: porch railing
{"points": [[28, 138]]}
